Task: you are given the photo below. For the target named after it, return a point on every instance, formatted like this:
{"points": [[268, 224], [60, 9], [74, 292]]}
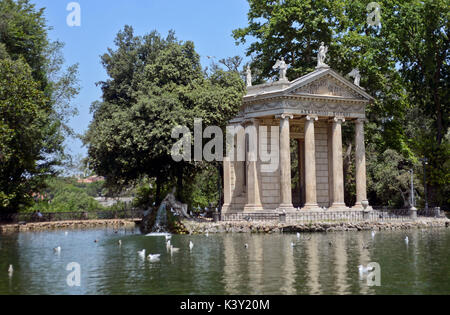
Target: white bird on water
{"points": [[120, 242], [66, 233], [10, 270], [191, 245], [373, 234], [173, 249], [154, 258], [57, 249], [142, 254], [407, 240], [298, 235]]}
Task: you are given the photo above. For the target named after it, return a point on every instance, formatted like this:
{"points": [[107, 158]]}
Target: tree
{"points": [[36, 103], [154, 85], [23, 33], [23, 126]]}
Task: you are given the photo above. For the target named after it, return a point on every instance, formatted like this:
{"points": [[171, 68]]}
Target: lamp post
{"points": [[425, 163]]}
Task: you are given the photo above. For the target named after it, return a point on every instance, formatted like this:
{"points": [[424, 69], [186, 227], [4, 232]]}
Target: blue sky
{"points": [[208, 23]]}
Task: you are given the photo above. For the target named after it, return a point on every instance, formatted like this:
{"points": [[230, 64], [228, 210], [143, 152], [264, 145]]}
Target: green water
{"points": [[220, 264]]}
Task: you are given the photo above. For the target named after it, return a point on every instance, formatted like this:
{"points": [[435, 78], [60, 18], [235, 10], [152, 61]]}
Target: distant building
{"points": [[91, 179], [109, 202]]}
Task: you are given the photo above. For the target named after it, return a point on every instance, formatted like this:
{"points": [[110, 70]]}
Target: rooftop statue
{"points": [[356, 75], [322, 56], [282, 66], [249, 76]]}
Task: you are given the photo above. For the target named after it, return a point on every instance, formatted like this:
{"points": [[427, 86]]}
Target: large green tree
{"points": [[35, 103], [154, 85], [404, 63], [23, 124]]}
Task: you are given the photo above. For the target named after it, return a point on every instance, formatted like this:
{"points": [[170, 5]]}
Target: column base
{"points": [[311, 207], [253, 208], [358, 206], [286, 208], [226, 208], [339, 207]]}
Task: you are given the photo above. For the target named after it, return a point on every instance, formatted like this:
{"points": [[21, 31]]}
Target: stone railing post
{"points": [[283, 217], [413, 213], [216, 216], [437, 212], [367, 211]]}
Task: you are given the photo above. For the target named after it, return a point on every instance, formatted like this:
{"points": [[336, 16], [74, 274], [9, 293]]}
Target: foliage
{"points": [[35, 103], [145, 194], [154, 85], [204, 188], [67, 195], [390, 178], [24, 125]]}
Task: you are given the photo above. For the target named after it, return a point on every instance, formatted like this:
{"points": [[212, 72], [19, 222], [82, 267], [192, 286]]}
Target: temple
{"points": [[309, 113]]}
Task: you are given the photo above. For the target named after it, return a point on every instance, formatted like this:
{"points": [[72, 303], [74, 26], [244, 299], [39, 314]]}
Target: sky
{"points": [[208, 23]]}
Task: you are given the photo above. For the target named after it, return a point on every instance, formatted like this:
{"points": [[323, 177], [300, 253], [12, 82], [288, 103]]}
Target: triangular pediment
{"points": [[321, 83], [327, 83], [327, 86]]}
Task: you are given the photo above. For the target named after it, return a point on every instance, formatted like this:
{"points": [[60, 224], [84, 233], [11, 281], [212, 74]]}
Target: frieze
{"points": [[308, 106], [327, 86]]}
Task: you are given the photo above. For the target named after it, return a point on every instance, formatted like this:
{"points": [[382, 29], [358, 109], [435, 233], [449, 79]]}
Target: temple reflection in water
{"points": [[317, 264]]}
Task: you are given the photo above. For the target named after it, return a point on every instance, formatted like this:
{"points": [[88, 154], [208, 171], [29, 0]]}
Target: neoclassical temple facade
{"points": [[311, 110]]}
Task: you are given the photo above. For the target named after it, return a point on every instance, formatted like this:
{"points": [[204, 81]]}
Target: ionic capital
{"points": [[285, 116], [338, 119], [312, 117]]}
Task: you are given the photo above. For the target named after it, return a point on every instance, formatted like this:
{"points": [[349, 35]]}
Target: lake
{"points": [[221, 264]]}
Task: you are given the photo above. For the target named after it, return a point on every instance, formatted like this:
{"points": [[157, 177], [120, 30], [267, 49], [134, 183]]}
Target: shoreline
{"points": [[67, 225], [239, 227], [193, 227]]}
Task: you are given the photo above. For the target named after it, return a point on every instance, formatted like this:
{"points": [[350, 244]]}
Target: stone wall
{"points": [[193, 227], [48, 226]]}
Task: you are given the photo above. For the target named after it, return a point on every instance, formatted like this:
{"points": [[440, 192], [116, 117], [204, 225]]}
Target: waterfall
{"points": [[161, 219]]}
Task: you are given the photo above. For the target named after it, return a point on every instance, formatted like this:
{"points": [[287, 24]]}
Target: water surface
{"points": [[220, 264]]}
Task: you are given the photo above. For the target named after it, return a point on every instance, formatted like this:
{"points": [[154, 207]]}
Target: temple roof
{"points": [[322, 92], [315, 83]]}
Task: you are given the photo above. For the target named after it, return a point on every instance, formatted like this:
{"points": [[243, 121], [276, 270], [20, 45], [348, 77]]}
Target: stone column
{"points": [[310, 165], [301, 170], [360, 153], [253, 184], [338, 165], [285, 163], [226, 184]]}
